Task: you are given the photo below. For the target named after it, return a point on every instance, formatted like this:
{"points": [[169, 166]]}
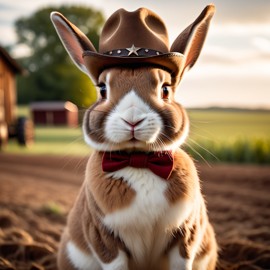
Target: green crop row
{"points": [[256, 150]]}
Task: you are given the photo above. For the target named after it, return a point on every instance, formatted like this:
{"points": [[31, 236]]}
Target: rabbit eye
{"points": [[165, 92], [103, 90]]}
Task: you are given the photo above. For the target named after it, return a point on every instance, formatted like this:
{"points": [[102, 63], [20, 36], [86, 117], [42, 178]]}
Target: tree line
{"points": [[51, 75]]}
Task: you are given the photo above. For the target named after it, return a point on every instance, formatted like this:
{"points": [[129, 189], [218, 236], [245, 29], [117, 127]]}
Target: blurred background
{"points": [[227, 93]]}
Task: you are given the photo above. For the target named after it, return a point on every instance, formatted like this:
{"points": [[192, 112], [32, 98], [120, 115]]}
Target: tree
{"points": [[52, 75]]}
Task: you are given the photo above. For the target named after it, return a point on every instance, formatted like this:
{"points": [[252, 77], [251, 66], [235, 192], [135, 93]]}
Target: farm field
{"points": [[224, 125], [215, 135], [230, 135]]}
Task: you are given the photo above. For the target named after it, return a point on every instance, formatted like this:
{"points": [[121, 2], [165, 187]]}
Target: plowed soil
{"points": [[36, 193]]}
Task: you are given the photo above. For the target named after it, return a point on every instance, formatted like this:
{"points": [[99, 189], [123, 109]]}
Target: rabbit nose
{"points": [[133, 124]]}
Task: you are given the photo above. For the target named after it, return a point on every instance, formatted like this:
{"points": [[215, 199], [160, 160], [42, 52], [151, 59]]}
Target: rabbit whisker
{"points": [[195, 151], [209, 152]]}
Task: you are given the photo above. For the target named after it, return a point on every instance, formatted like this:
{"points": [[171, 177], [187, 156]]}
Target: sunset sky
{"points": [[234, 67]]}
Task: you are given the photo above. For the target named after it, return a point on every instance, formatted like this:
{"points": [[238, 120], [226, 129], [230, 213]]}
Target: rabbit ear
{"points": [[73, 39], [190, 41]]}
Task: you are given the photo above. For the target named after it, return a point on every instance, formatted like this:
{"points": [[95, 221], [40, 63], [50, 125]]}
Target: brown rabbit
{"points": [[140, 206]]}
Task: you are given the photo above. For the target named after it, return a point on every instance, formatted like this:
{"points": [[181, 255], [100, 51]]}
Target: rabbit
{"points": [[140, 205]]}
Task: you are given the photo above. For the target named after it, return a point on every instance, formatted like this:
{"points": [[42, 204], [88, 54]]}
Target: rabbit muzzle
{"points": [[132, 121]]}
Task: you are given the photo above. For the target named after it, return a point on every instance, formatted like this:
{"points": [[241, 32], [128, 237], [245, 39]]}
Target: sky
{"points": [[234, 66]]}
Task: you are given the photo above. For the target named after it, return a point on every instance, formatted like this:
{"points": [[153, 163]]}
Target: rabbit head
{"points": [[136, 74]]}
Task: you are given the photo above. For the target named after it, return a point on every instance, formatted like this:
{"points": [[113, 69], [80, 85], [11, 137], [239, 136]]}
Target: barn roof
{"points": [[53, 106], [11, 62]]}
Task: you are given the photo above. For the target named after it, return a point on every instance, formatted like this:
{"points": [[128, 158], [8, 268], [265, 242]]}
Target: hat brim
{"points": [[96, 62]]}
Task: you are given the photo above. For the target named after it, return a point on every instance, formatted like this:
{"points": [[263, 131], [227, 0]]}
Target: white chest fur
{"points": [[145, 226]]}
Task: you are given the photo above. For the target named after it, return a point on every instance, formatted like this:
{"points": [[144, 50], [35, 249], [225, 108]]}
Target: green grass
{"points": [[52, 208], [53, 140], [23, 111], [215, 135]]}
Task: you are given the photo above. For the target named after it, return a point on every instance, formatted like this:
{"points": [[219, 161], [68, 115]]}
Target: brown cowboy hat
{"points": [[134, 39]]}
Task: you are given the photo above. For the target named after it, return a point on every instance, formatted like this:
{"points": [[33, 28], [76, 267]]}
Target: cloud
{"points": [[262, 44], [234, 47], [8, 34], [224, 90], [175, 11], [5, 6], [222, 56], [242, 11]]}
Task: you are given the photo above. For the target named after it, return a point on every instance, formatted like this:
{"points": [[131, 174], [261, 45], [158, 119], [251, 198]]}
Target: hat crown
{"points": [[142, 28]]}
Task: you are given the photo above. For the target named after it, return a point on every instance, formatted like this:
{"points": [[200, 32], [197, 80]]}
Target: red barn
{"points": [[55, 113]]}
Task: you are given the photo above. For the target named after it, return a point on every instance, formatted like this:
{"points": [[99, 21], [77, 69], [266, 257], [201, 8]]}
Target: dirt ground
{"points": [[36, 193]]}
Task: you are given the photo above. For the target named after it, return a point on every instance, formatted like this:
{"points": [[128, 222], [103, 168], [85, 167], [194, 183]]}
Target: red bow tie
{"points": [[160, 163]]}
